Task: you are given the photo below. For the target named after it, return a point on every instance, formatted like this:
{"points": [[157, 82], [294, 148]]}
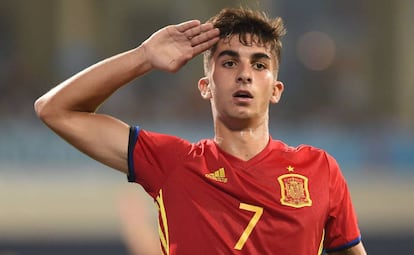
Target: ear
{"points": [[277, 92], [204, 87]]}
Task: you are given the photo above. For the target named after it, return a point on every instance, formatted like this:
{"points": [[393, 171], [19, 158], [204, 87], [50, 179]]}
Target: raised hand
{"points": [[171, 47]]}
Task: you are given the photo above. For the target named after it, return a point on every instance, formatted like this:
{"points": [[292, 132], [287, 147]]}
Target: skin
{"points": [[241, 124], [69, 108]]}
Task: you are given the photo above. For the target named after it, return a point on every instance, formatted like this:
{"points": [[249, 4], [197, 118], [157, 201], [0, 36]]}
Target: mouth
{"points": [[242, 94], [242, 97]]}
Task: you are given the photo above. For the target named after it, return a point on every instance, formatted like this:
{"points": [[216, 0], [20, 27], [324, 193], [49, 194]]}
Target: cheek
{"points": [[216, 93], [269, 76], [220, 83], [220, 76], [268, 79]]}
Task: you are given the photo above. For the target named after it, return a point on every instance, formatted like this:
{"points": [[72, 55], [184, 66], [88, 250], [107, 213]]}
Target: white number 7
{"points": [[258, 211]]}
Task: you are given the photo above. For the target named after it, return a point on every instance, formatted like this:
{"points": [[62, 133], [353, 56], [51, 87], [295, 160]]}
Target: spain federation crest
{"points": [[294, 190]]}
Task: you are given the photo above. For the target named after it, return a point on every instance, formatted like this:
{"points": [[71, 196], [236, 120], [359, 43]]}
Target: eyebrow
{"points": [[230, 53], [234, 54]]}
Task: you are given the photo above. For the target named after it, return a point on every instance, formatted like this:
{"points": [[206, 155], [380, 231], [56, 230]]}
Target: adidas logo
{"points": [[219, 175]]}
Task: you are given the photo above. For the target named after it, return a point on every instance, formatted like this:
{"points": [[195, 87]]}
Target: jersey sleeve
{"points": [[152, 156], [342, 229]]}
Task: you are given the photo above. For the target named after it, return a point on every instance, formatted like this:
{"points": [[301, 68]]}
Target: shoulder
{"points": [[173, 144], [305, 153], [141, 139], [154, 137], [302, 148], [201, 147]]}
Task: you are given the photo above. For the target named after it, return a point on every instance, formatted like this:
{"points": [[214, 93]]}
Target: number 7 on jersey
{"points": [[258, 211]]}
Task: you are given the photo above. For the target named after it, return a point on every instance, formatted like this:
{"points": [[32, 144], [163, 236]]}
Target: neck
{"points": [[244, 143]]}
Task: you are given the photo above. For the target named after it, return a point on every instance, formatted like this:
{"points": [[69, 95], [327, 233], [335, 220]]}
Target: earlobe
{"points": [[277, 92], [204, 87]]}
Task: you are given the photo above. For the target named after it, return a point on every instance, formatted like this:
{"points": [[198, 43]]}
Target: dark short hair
{"points": [[244, 22]]}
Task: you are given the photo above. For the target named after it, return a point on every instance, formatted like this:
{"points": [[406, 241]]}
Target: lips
{"points": [[242, 94], [242, 97]]}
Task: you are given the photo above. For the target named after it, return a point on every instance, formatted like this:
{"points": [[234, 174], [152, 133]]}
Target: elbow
{"points": [[38, 107], [42, 109]]}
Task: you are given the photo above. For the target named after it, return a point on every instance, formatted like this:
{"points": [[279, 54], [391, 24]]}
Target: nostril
{"points": [[244, 79]]}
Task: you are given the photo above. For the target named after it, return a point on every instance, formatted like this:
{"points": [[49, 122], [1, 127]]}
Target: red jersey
{"points": [[285, 200]]}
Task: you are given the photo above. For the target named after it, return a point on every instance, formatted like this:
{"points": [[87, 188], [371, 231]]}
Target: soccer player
{"points": [[241, 192]]}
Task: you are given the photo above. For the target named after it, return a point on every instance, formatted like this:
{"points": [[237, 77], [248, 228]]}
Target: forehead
{"points": [[248, 46]]}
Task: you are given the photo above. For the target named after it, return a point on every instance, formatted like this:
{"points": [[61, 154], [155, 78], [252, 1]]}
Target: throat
{"points": [[245, 144]]}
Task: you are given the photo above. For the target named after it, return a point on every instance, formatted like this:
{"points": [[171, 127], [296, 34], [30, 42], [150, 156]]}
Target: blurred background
{"points": [[347, 67]]}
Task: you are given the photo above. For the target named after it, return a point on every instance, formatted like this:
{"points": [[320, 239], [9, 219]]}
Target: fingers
{"points": [[200, 36], [182, 27], [196, 30], [199, 48], [205, 40]]}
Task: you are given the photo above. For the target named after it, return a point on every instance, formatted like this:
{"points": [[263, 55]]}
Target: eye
{"points": [[259, 66], [229, 63]]}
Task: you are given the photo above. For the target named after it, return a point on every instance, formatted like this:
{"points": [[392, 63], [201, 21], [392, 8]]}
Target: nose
{"points": [[244, 75]]}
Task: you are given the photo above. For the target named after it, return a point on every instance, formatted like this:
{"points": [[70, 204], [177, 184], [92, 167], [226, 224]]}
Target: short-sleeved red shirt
{"points": [[285, 200]]}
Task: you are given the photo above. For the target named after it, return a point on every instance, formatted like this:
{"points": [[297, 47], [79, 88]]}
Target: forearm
{"points": [[69, 108], [168, 49], [87, 90]]}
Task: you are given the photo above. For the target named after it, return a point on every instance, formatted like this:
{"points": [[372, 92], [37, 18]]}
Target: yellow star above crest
{"points": [[290, 168]]}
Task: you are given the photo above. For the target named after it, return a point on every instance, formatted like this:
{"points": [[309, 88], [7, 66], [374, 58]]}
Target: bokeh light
{"points": [[316, 50]]}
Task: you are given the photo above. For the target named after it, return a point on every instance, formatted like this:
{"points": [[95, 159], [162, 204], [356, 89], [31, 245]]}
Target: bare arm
{"points": [[355, 250], [69, 109]]}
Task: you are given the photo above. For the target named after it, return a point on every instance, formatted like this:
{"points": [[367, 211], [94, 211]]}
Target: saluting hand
{"points": [[171, 47]]}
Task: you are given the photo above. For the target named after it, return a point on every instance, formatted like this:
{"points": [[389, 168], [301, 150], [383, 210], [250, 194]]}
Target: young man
{"points": [[239, 193]]}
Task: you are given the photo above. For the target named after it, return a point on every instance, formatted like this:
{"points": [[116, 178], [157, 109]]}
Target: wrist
{"points": [[141, 60]]}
